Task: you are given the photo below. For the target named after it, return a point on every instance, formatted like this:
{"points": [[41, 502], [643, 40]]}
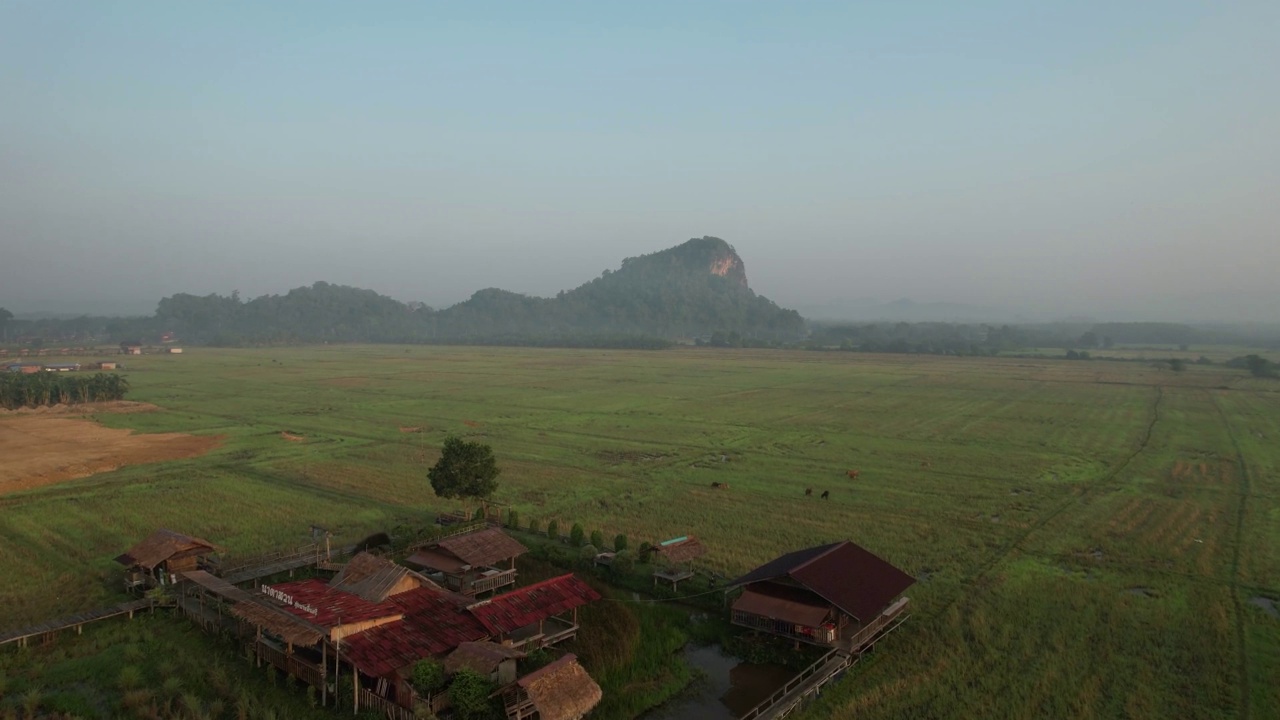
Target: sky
{"points": [[1061, 157]]}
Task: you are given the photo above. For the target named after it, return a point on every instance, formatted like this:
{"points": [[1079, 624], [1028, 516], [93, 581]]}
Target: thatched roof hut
{"points": [[560, 691]]}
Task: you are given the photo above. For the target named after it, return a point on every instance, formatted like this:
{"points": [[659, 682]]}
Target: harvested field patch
{"points": [[110, 406], [40, 450], [292, 437]]}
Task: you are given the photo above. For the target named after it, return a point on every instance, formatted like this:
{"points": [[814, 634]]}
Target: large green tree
{"points": [[464, 470]]}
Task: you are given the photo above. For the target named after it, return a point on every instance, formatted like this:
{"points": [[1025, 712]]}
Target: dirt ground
{"points": [[51, 445]]}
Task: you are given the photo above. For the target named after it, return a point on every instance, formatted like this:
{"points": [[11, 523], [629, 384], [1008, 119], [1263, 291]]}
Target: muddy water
{"points": [[729, 689]]}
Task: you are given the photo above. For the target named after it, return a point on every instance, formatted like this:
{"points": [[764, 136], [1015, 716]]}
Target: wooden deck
{"points": [[77, 621], [845, 653]]}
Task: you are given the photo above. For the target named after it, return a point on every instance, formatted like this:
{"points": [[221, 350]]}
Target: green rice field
{"points": [[1092, 539]]}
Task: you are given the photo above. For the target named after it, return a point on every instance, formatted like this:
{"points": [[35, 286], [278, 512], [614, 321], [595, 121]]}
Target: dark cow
{"points": [[808, 492], [720, 486], [925, 465], [826, 494], [853, 474]]}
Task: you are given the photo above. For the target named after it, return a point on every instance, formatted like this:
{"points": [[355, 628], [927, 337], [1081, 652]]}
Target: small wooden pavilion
{"points": [[472, 563], [837, 595], [560, 691], [537, 615], [159, 558], [673, 559]]}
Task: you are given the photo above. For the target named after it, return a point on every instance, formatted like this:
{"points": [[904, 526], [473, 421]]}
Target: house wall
{"points": [[406, 584], [344, 630]]}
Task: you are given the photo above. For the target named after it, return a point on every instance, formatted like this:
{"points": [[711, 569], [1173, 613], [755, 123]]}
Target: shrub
{"points": [[513, 519], [643, 552], [553, 530], [130, 677], [577, 535], [620, 543], [534, 527], [428, 677], [469, 693], [587, 553], [597, 538], [622, 563]]}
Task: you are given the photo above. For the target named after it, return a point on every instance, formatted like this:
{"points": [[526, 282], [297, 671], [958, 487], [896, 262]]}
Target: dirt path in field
{"points": [[1245, 491], [44, 447]]}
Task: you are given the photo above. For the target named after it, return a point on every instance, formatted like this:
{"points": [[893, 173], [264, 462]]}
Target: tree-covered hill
{"points": [[697, 288]]}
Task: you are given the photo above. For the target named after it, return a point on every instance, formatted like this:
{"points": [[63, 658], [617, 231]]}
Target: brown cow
{"points": [[853, 474], [808, 492], [925, 465], [720, 486], [826, 494]]}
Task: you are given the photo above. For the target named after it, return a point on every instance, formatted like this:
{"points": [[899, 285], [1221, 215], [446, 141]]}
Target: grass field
{"points": [[1093, 539]]}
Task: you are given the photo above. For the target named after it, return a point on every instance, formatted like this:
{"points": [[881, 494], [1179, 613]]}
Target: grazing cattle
{"points": [[853, 474], [808, 492], [826, 494], [925, 465], [720, 486]]}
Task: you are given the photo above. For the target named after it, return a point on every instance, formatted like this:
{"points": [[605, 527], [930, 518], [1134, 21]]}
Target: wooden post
{"points": [[257, 646], [355, 689], [324, 673]]}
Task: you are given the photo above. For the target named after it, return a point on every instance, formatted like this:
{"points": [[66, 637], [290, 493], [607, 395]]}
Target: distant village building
{"points": [[62, 367], [837, 595], [25, 368], [673, 559], [107, 365], [131, 347], [173, 350]]}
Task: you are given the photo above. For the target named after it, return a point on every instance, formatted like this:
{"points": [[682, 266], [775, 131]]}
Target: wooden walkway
{"points": [[77, 621]]}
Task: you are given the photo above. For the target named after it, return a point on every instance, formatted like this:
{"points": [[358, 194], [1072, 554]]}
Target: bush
{"points": [[643, 552], [469, 693], [620, 543], [597, 538], [513, 519], [534, 527], [577, 535], [428, 677], [553, 529], [587, 553], [622, 563]]}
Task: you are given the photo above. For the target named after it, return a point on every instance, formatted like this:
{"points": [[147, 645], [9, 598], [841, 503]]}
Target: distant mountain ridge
{"points": [[694, 289]]}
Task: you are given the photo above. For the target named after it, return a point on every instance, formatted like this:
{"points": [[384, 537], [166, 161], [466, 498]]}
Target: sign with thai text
{"points": [[288, 599]]}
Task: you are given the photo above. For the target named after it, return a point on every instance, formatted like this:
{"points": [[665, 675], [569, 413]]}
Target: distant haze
{"points": [[1035, 160]]}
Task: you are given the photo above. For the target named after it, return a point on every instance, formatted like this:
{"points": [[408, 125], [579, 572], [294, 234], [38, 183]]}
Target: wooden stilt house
{"points": [[673, 559], [472, 563], [159, 558], [837, 595], [560, 691]]}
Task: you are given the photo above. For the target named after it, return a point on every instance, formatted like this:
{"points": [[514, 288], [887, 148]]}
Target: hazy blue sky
{"points": [[1064, 155]]}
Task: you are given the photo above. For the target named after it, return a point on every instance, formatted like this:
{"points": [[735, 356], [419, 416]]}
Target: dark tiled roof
{"points": [[527, 605], [433, 560], [846, 575], [484, 547], [795, 605], [162, 545], [369, 576]]}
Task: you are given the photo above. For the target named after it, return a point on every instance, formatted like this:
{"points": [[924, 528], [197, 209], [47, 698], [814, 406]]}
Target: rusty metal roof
{"points": [[483, 547], [539, 601], [162, 545], [846, 575]]}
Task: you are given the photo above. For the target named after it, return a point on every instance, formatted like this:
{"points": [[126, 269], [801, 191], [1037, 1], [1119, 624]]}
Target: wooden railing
{"points": [[312, 675], [237, 565], [370, 700], [492, 582], [448, 531], [791, 685], [889, 619]]}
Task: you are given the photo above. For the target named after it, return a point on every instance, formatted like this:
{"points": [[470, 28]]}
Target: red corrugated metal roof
{"points": [[434, 623], [332, 604], [523, 607]]}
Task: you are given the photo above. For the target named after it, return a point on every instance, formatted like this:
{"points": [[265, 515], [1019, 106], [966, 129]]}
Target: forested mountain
{"points": [[695, 289]]}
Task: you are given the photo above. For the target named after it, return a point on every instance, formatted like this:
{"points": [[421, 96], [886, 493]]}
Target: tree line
{"points": [[19, 390]]}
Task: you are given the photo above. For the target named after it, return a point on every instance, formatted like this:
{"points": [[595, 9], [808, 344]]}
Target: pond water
{"points": [[730, 688]]}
